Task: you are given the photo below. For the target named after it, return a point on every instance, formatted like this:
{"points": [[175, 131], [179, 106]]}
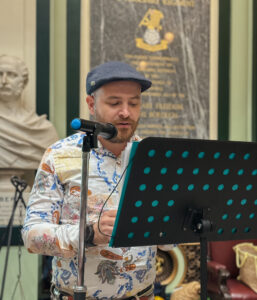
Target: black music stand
{"points": [[184, 191]]}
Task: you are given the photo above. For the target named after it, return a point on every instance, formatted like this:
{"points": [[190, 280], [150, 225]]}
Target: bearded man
{"points": [[52, 222]]}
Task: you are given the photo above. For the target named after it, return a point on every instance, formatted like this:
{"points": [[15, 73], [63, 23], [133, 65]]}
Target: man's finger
{"points": [[110, 213]]}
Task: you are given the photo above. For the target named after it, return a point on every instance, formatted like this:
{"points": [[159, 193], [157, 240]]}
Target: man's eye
{"points": [[134, 104], [114, 103]]}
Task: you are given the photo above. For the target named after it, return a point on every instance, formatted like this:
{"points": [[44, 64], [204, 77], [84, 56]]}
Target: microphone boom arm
{"points": [[106, 130]]}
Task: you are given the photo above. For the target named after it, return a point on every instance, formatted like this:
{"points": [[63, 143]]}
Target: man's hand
{"points": [[106, 224]]}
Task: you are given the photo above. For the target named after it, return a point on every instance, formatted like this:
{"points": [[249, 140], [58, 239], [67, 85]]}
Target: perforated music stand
{"points": [[184, 191]]}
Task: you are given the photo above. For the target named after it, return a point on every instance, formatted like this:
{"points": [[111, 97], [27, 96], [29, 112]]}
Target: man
{"points": [[51, 225], [24, 135]]}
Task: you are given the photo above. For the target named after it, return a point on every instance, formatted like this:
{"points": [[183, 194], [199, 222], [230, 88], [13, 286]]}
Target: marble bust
{"points": [[24, 135]]}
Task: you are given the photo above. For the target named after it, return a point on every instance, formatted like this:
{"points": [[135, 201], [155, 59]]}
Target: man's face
{"points": [[11, 80], [118, 103]]}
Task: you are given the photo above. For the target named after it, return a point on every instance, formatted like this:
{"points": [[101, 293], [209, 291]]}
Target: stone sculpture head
{"points": [[13, 78]]}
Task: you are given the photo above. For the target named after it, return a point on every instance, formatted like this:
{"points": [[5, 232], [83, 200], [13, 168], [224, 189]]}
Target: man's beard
{"points": [[124, 135]]}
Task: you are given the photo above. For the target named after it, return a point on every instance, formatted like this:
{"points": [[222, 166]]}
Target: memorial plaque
{"points": [[168, 41]]}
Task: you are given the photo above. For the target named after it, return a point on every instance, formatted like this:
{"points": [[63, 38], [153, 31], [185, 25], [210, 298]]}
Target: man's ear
{"points": [[91, 104]]}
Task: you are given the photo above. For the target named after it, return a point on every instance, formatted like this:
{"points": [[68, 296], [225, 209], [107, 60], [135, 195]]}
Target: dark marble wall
{"points": [[168, 41]]}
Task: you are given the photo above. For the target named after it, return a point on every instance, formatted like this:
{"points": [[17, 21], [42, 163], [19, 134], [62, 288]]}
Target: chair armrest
{"points": [[215, 268], [217, 277]]}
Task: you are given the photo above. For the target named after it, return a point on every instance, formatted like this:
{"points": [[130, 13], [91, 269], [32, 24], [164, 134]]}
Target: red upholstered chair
{"points": [[223, 272]]}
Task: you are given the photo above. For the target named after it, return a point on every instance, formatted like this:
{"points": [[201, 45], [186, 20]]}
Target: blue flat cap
{"points": [[114, 71]]}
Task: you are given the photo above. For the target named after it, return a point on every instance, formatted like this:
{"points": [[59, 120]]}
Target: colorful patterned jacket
{"points": [[51, 224]]}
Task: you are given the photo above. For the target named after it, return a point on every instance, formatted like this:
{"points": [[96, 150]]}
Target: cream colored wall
{"points": [[17, 33], [58, 62], [84, 56], [58, 29], [240, 70]]}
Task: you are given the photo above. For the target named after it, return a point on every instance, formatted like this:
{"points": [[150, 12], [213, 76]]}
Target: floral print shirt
{"points": [[51, 224]]}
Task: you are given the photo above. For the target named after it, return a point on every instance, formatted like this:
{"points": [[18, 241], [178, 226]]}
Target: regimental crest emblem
{"points": [[151, 39]]}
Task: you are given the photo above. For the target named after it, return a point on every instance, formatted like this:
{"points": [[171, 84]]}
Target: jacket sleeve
{"points": [[43, 232]]}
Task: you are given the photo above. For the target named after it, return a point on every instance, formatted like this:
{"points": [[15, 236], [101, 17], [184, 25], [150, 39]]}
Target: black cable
{"points": [[101, 211]]}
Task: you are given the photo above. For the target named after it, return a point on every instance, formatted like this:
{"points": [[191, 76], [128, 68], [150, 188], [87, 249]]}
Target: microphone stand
{"points": [[89, 142]]}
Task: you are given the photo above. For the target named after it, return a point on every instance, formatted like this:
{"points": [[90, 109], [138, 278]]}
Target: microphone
{"points": [[105, 130]]}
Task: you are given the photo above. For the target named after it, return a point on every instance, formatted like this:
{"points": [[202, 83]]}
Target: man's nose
{"points": [[124, 112]]}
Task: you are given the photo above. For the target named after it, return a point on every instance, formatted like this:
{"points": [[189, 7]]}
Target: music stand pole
{"points": [[197, 221], [89, 142]]}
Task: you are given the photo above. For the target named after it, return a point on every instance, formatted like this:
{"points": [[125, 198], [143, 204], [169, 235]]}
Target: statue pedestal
{"points": [[7, 192]]}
